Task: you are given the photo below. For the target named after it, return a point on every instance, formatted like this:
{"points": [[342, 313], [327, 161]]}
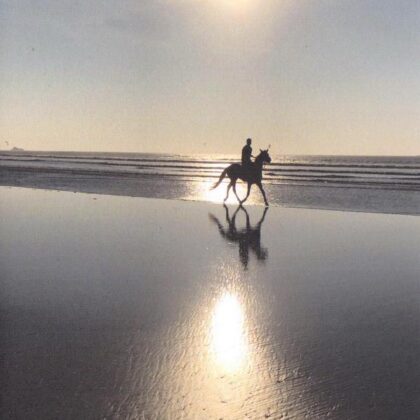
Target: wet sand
{"points": [[119, 307], [396, 200]]}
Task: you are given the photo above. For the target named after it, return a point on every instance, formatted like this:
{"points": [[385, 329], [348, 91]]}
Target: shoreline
{"points": [[325, 197]]}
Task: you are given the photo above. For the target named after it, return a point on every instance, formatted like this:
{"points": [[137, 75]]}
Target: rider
{"points": [[247, 154]]}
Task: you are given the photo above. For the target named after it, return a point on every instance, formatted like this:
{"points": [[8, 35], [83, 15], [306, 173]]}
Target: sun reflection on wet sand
{"points": [[203, 191], [228, 335]]}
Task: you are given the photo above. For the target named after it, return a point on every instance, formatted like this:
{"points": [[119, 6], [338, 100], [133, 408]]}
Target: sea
{"points": [[373, 171], [361, 183]]}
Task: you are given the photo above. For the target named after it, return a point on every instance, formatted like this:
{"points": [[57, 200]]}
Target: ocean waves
{"points": [[342, 171]]}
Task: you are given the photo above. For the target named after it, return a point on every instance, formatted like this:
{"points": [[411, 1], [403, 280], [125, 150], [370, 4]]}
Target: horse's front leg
{"points": [[263, 193], [247, 193]]}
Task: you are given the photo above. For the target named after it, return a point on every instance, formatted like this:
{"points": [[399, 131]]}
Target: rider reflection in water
{"points": [[248, 238]]}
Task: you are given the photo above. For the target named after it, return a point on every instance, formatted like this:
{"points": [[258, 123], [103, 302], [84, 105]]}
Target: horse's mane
{"points": [[259, 157]]}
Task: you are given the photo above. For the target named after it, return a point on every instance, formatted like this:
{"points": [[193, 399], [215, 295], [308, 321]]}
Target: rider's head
{"points": [[248, 142]]}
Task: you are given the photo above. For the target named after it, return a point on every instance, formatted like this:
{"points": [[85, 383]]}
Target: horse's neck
{"points": [[258, 162]]}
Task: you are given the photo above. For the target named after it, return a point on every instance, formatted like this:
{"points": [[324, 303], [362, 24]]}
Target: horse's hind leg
{"points": [[227, 191], [234, 190], [247, 194]]}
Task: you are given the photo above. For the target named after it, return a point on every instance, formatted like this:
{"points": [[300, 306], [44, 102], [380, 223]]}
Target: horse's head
{"points": [[264, 156]]}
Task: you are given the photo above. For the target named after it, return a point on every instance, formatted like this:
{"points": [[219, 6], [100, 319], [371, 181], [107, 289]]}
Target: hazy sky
{"points": [[307, 76]]}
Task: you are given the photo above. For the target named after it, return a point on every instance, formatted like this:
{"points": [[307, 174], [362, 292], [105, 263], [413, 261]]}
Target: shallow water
{"points": [[354, 183], [397, 201], [118, 307], [398, 172]]}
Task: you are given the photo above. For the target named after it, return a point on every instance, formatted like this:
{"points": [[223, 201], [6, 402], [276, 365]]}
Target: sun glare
{"points": [[218, 195], [235, 6], [228, 333]]}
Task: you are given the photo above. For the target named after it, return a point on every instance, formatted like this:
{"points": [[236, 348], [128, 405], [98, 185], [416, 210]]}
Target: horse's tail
{"points": [[220, 179]]}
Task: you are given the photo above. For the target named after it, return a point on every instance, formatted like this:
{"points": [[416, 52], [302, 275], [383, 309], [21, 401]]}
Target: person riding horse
{"points": [[248, 171], [247, 155]]}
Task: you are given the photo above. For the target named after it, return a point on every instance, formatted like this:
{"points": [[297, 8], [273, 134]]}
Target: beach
{"points": [[156, 308], [209, 210], [371, 184]]}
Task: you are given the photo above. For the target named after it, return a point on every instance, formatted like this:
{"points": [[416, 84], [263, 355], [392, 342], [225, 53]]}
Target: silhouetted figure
{"points": [[248, 238], [247, 154], [251, 174]]}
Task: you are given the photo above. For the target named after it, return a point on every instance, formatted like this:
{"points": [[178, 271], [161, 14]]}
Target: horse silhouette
{"points": [[248, 238], [251, 174]]}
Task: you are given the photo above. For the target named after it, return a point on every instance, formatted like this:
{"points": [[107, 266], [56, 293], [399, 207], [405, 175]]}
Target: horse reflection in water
{"points": [[248, 238]]}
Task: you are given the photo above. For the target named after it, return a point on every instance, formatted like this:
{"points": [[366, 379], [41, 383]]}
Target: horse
{"points": [[251, 175]]}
